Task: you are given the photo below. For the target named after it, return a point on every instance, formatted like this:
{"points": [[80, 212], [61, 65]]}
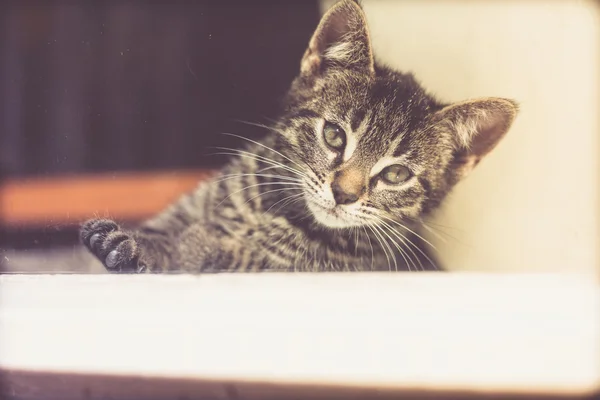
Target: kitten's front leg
{"points": [[119, 251]]}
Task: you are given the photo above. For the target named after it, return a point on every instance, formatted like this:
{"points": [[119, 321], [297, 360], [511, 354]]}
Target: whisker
{"points": [[305, 167], [307, 178], [235, 152], [398, 234], [293, 196], [377, 236], [264, 146], [441, 225], [437, 235], [259, 125], [433, 229], [389, 247], [265, 169], [283, 177], [290, 202], [256, 185], [408, 229], [269, 191], [407, 258], [370, 245], [402, 239], [240, 151]]}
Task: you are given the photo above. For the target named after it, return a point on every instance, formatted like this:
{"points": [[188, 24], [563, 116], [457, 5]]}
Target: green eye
{"points": [[395, 174], [334, 136]]}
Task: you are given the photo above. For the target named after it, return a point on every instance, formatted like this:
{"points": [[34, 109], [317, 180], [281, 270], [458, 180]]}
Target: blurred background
{"points": [[112, 108]]}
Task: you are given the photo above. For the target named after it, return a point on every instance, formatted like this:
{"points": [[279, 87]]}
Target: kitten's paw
{"points": [[116, 249]]}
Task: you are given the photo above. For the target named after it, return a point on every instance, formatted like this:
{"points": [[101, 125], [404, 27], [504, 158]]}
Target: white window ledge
{"points": [[255, 336]]}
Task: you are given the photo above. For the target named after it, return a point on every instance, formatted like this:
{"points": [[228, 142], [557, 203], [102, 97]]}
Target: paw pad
{"points": [[116, 249], [112, 259]]}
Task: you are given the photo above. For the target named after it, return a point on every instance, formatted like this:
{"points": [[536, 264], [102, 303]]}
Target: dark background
{"points": [[98, 86], [112, 86]]}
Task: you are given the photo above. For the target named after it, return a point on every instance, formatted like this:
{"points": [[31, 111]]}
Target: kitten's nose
{"points": [[341, 196]]}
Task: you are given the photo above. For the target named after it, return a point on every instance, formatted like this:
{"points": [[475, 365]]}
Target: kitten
{"points": [[360, 154]]}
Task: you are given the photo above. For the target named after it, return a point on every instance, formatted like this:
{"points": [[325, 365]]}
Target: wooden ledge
{"points": [[69, 200], [266, 335]]}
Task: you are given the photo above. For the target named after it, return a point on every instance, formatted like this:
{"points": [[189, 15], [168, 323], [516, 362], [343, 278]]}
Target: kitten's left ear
{"points": [[478, 126], [341, 40]]}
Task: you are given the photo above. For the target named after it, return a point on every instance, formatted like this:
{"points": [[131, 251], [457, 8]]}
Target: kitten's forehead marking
{"points": [[395, 143], [350, 145], [353, 136]]}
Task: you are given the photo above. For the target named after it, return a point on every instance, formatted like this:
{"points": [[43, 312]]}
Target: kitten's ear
{"points": [[341, 40], [478, 126]]}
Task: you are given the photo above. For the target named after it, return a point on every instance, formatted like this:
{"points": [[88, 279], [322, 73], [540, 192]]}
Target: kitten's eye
{"points": [[334, 136], [395, 174]]}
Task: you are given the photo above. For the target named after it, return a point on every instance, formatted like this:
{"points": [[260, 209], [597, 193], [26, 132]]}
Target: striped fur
{"points": [[274, 207]]}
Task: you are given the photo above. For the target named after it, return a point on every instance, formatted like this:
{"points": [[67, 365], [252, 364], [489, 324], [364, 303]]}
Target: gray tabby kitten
{"points": [[358, 157]]}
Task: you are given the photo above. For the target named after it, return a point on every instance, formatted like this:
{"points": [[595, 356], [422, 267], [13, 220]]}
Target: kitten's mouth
{"points": [[330, 217]]}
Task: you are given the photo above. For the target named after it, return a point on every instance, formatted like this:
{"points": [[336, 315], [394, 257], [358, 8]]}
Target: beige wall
{"points": [[533, 204]]}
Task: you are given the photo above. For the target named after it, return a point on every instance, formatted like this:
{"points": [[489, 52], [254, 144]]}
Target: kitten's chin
{"points": [[331, 218]]}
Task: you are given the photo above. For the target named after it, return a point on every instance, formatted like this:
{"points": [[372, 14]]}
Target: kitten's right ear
{"points": [[478, 126], [340, 41]]}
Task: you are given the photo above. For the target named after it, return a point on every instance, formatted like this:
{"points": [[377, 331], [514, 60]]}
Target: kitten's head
{"points": [[372, 142]]}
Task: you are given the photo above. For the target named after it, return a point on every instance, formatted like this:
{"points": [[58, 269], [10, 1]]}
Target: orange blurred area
{"points": [[70, 199]]}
